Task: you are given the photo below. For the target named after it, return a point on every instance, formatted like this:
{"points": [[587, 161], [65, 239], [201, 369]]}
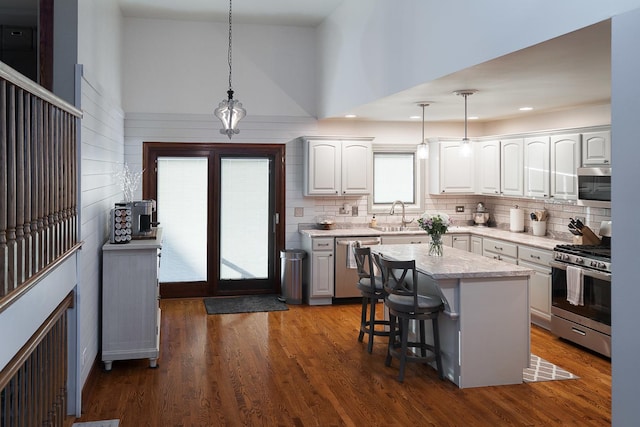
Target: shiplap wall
{"points": [[102, 153]]}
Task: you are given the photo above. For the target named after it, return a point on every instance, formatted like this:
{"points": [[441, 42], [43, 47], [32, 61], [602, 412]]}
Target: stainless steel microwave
{"points": [[594, 187]]}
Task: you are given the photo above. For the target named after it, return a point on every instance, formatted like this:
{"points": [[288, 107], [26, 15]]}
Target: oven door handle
{"points": [[585, 271]]}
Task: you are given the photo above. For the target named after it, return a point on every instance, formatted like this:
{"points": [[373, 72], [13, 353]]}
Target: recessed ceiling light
{"points": [[350, 116], [473, 117], [526, 108], [414, 117]]}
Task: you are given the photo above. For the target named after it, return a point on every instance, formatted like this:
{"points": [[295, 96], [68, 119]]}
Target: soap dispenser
{"points": [[373, 222]]}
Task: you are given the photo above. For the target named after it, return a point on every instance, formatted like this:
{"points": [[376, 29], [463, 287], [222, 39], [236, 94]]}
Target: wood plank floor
{"points": [[305, 367]]}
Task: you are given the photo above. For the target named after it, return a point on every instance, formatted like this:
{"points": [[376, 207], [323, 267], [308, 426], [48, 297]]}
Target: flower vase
{"points": [[435, 246]]}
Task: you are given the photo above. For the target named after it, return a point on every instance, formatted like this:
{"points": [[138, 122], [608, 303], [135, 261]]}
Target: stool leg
{"points": [[404, 332], [392, 339], [372, 324], [423, 340], [363, 318], [436, 346]]}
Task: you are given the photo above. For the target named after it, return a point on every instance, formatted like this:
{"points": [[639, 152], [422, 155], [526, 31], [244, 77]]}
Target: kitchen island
{"points": [[485, 327]]}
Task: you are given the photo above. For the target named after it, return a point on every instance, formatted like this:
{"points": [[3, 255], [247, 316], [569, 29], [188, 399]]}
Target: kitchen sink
{"points": [[397, 228]]}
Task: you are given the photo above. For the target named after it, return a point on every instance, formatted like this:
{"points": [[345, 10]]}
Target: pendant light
{"points": [[465, 147], [230, 110], [423, 148]]}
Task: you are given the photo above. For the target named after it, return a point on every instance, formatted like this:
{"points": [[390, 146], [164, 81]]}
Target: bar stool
{"points": [[372, 291], [404, 304]]}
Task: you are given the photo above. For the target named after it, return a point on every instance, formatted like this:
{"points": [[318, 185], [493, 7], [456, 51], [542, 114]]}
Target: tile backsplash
{"points": [[558, 212]]}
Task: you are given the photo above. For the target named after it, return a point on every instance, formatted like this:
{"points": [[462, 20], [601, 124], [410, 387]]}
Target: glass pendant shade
{"points": [[423, 148], [423, 151], [230, 112]]}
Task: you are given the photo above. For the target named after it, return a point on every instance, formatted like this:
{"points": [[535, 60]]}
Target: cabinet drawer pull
{"points": [[579, 332], [497, 248], [534, 256], [323, 244]]}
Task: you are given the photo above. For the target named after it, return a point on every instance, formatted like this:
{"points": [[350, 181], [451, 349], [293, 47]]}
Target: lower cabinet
{"points": [[412, 239], [460, 241], [319, 273], [130, 301], [476, 245], [539, 283], [500, 249]]}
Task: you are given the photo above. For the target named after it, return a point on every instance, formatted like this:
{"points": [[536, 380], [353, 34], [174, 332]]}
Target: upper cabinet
{"points": [[337, 167], [487, 157], [451, 169], [550, 166], [596, 148], [536, 166], [499, 167], [512, 167], [565, 161]]}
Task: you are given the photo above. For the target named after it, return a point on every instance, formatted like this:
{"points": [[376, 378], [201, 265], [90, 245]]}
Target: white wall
{"points": [[374, 48], [625, 93], [181, 67], [102, 152]]}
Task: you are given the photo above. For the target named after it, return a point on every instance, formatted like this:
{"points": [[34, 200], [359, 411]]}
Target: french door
{"points": [[221, 208]]}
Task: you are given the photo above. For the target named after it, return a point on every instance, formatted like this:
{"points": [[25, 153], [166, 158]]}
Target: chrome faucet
{"points": [[392, 211]]}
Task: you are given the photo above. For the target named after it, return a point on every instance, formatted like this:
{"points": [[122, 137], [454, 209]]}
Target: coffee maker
{"points": [[141, 218]]}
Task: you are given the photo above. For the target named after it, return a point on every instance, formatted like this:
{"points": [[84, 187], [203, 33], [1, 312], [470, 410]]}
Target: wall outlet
{"points": [[354, 210], [298, 212], [459, 208]]}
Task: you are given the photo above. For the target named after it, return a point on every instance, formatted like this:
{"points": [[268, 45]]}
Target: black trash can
{"points": [[291, 275]]}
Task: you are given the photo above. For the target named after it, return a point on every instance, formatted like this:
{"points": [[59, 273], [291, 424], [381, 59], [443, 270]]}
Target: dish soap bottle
{"points": [[374, 222]]}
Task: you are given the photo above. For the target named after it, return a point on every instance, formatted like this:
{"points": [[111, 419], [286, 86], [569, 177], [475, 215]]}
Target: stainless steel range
{"points": [[584, 271]]}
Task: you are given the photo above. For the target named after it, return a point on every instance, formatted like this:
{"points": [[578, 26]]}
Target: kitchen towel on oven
{"points": [[575, 285]]}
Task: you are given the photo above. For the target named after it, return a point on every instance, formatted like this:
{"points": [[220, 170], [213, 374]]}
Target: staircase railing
{"points": [[38, 182]]}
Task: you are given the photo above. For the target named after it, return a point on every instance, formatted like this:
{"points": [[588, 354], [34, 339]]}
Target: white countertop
{"points": [[454, 264], [528, 239]]}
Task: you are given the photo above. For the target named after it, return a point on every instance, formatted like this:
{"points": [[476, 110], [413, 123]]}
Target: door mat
{"points": [[541, 370], [105, 423], [244, 304]]}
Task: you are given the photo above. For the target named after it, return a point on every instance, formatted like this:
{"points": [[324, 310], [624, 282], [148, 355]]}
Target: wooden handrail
{"points": [[38, 181]]}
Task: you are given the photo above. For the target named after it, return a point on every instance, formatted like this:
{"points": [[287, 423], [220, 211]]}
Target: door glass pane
{"points": [[182, 213], [244, 218]]}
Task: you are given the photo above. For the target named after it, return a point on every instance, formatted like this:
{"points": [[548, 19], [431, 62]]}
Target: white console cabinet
{"points": [[131, 301]]}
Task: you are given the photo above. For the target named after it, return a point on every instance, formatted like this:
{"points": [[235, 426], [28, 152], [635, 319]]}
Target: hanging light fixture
{"points": [[465, 147], [230, 110], [423, 148]]}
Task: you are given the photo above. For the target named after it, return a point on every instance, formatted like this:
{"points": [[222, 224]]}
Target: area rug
{"points": [[541, 370], [105, 423], [245, 304]]}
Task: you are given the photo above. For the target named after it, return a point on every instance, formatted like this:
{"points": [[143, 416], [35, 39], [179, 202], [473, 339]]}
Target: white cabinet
{"points": [[130, 301], [565, 161], [450, 169], [337, 167], [460, 241], [536, 166], [319, 273], [500, 249], [411, 239], [499, 167], [512, 167], [487, 157], [476, 245], [596, 148], [539, 283]]}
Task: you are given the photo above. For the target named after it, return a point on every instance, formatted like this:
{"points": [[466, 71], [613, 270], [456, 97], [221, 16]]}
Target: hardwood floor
{"points": [[305, 367]]}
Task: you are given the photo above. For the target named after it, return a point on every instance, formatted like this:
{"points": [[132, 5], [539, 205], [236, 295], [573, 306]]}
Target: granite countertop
{"points": [[454, 264], [528, 239]]}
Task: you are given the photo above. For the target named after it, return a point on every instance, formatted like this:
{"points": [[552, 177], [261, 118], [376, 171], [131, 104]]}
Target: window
{"points": [[397, 175]]}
